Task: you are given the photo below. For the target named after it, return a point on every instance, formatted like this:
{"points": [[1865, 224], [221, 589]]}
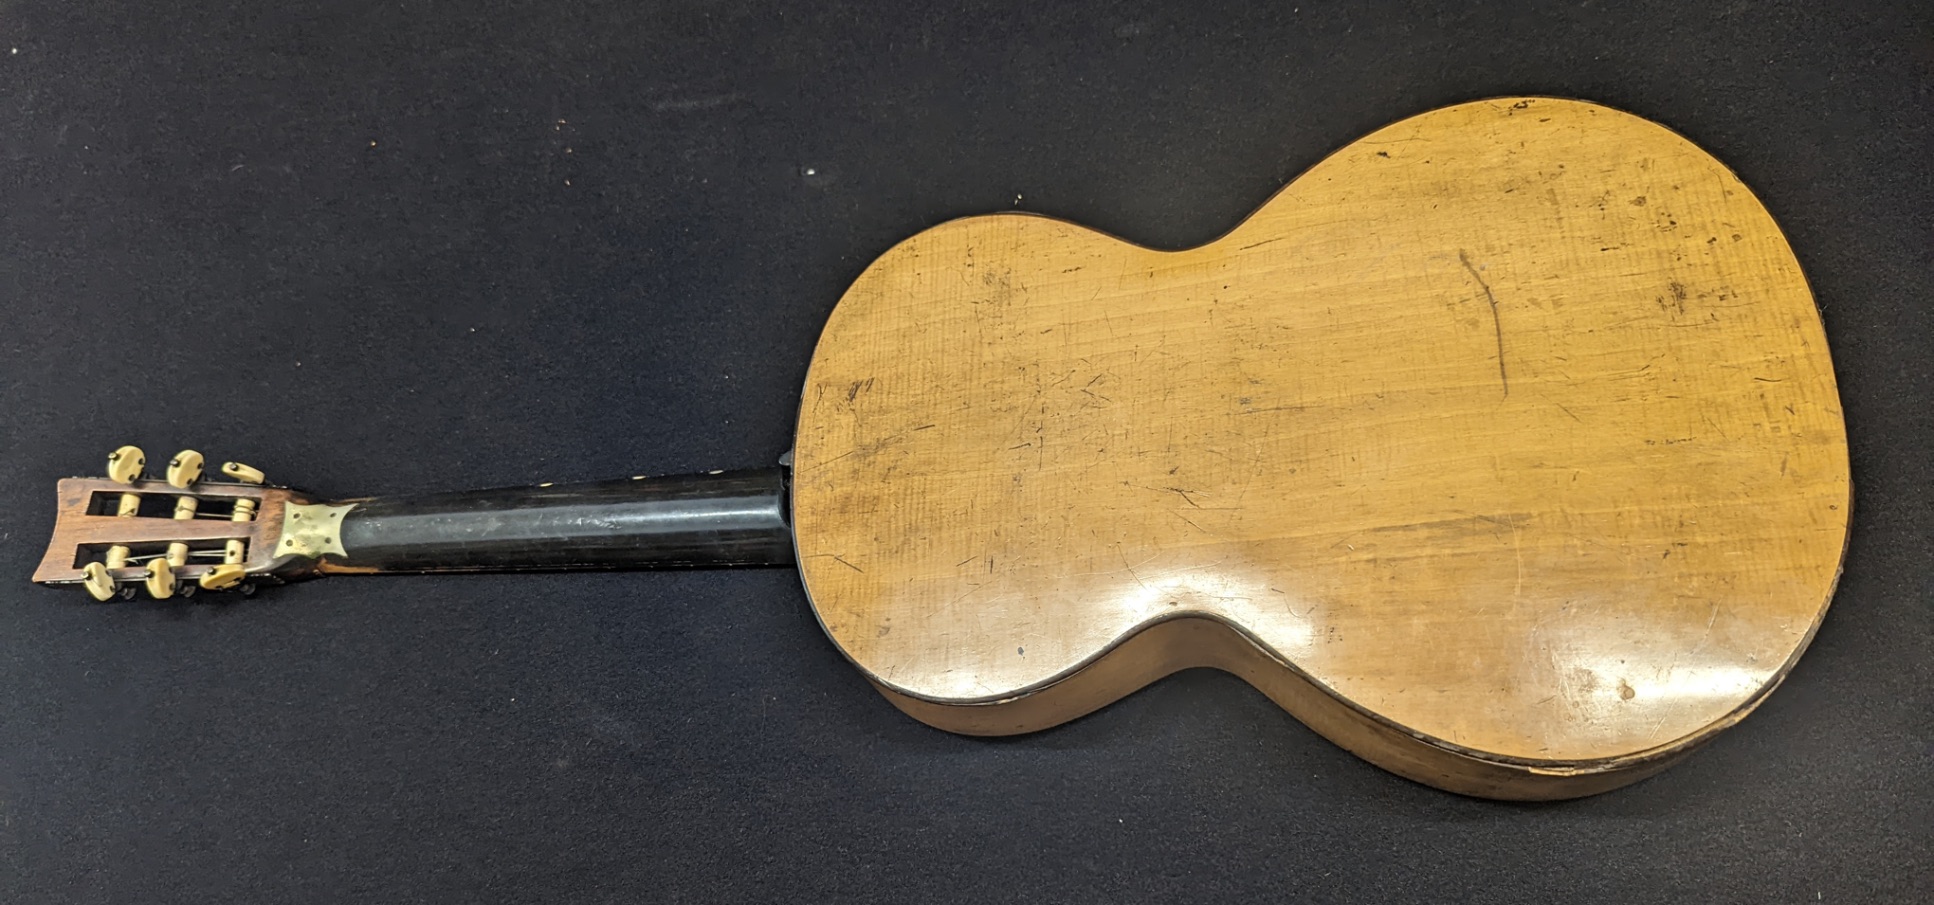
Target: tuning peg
{"points": [[244, 511], [243, 473], [161, 579], [125, 464], [97, 582], [222, 577], [184, 469]]}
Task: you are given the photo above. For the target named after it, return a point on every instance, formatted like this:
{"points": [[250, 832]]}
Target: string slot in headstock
{"points": [[203, 552], [160, 505]]}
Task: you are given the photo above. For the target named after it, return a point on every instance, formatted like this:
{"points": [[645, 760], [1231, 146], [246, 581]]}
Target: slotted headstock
{"points": [[171, 535]]}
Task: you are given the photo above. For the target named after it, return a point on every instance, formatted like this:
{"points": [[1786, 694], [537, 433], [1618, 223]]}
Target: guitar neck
{"points": [[734, 518]]}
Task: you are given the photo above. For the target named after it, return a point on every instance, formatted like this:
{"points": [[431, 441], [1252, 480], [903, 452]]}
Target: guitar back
{"points": [[1502, 447]]}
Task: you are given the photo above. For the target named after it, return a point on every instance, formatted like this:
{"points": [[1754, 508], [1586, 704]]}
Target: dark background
{"points": [[383, 247]]}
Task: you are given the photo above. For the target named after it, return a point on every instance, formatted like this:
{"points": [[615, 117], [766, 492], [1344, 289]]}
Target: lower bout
{"points": [[1187, 642]]}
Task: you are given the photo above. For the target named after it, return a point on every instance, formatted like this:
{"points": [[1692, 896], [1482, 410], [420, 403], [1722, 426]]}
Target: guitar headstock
{"points": [[176, 534]]}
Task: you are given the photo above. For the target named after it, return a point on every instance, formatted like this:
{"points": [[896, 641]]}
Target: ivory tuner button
{"points": [[222, 577], [161, 579], [184, 469], [98, 583], [243, 473], [125, 464]]}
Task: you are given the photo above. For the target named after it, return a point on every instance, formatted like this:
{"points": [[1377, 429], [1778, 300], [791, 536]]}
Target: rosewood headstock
{"points": [[173, 535]]}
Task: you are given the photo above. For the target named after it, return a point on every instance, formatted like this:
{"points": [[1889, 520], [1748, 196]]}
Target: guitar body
{"points": [[1502, 448]]}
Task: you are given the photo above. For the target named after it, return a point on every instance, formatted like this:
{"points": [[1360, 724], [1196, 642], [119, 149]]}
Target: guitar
{"points": [[1502, 448]]}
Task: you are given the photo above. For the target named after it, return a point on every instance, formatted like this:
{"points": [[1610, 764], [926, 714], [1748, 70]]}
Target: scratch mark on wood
{"points": [[1273, 408], [1131, 569], [1496, 323], [1517, 553], [867, 449]]}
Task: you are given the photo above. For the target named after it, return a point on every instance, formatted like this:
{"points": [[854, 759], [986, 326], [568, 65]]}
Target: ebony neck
{"points": [[734, 518]]}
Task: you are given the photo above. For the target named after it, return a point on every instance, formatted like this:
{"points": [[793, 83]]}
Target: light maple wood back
{"points": [[1509, 428]]}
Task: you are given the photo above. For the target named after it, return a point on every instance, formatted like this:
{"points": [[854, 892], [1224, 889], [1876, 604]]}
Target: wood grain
{"points": [[1502, 447]]}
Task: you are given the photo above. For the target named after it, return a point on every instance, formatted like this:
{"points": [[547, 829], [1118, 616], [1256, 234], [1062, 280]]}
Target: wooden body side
{"points": [[1190, 642]]}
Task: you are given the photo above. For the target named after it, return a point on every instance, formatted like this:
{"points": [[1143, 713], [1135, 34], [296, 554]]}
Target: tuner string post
{"points": [[138, 559], [232, 552]]}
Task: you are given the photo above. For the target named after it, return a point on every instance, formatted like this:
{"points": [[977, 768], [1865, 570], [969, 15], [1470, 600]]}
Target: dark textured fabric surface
{"points": [[380, 247]]}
